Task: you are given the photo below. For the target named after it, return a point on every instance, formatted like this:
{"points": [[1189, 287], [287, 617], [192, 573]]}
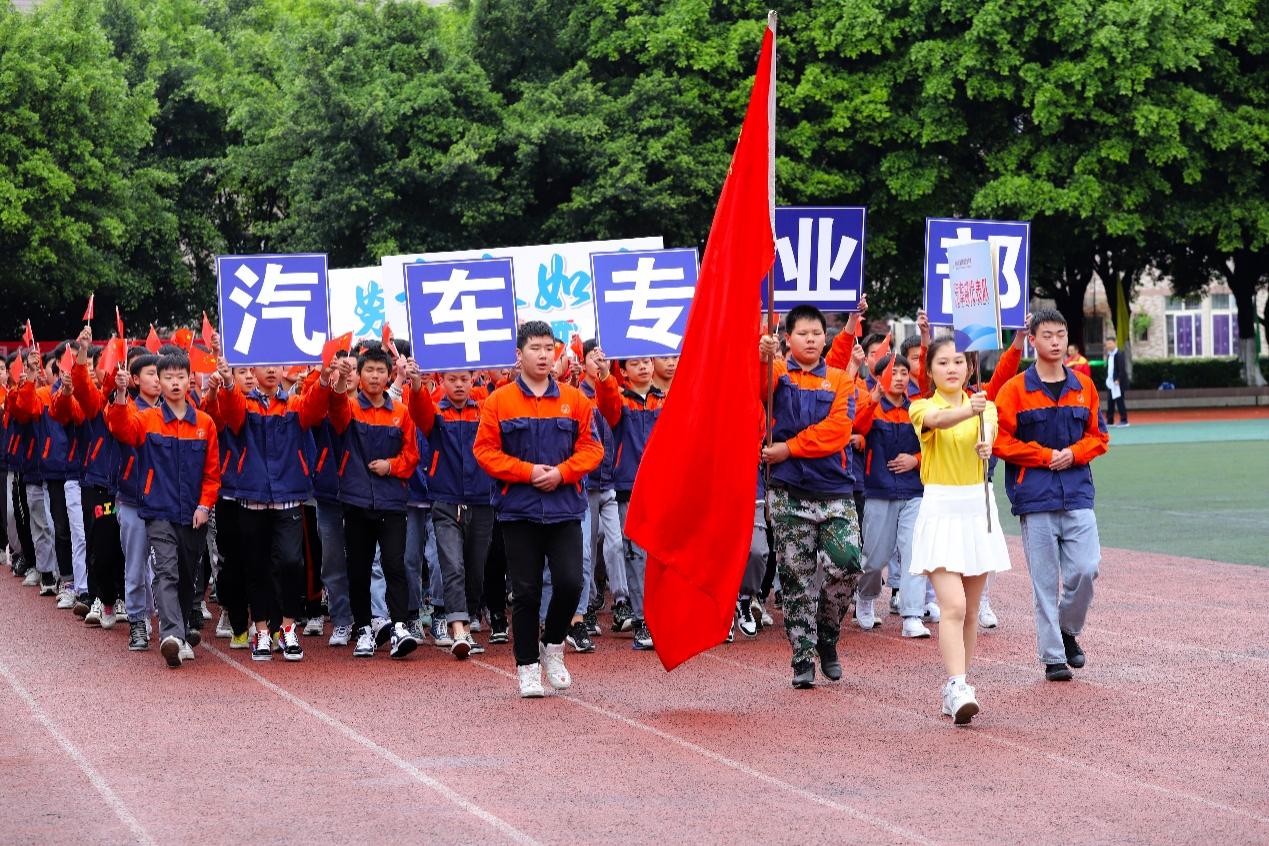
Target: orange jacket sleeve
{"points": [[832, 433], [232, 408], [90, 397], [124, 422], [488, 447], [65, 409], [211, 471], [403, 464], [26, 404], [608, 399], [840, 353], [313, 404], [1007, 445], [1006, 369], [1096, 439], [587, 452], [863, 416], [340, 411], [423, 410]]}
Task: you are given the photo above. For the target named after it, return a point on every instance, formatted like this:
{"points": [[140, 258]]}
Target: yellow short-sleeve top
{"points": [[947, 455]]}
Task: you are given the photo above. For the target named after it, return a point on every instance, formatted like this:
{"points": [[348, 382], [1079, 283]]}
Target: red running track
{"points": [[1161, 739]]}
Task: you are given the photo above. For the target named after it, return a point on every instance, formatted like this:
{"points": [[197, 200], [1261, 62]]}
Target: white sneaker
{"points": [[552, 656], [120, 609], [894, 602], [223, 629], [531, 681], [66, 597], [932, 613], [912, 627], [108, 617], [865, 616], [32, 578], [93, 617], [959, 702], [314, 626], [204, 610], [365, 647], [187, 651], [340, 636], [987, 617], [761, 613]]}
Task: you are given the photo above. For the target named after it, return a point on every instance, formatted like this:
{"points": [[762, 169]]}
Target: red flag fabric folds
{"points": [[88, 312], [152, 342], [208, 332], [692, 507]]}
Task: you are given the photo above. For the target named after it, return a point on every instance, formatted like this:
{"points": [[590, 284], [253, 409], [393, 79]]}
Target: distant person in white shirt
{"points": [[1116, 383]]}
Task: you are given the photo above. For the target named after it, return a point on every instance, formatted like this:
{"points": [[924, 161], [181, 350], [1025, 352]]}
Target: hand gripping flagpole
{"points": [[982, 435]]}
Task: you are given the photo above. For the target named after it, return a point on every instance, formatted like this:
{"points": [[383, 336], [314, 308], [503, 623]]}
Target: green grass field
{"points": [[1197, 490]]}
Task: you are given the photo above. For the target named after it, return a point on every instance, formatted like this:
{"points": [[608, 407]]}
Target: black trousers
{"points": [[231, 582], [311, 596], [22, 514], [496, 575], [1117, 403], [275, 578], [103, 550], [56, 491], [363, 531], [530, 548]]}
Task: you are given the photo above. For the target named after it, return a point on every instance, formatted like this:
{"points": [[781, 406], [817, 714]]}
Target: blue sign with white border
{"points": [[273, 308], [642, 299], [462, 314], [819, 257], [1010, 243]]}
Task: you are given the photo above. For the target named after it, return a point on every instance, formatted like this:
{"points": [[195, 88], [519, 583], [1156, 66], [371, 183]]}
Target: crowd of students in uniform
{"points": [[399, 506]]}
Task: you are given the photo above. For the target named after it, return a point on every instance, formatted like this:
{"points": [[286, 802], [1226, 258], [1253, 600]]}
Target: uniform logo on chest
{"points": [[826, 385], [565, 409]]}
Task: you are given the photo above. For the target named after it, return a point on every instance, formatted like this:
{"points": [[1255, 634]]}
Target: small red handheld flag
{"points": [[332, 348], [119, 326], [152, 342], [388, 345], [208, 333], [66, 362], [883, 350], [88, 312], [28, 337], [201, 361], [112, 355]]}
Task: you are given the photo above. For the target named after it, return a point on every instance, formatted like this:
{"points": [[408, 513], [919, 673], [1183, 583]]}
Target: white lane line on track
{"points": [[512, 833], [1022, 747], [95, 778], [862, 816]]}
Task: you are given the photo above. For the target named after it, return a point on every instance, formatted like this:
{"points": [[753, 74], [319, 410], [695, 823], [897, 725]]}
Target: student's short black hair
{"points": [[133, 352], [588, 347], [804, 312], [1045, 315], [533, 329], [137, 363], [871, 340], [884, 362], [375, 354], [402, 346], [173, 361], [172, 349], [909, 344], [94, 354], [47, 357], [11, 357]]}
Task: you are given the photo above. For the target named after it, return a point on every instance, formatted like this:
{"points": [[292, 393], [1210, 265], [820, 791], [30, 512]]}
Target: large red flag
{"points": [[692, 507]]}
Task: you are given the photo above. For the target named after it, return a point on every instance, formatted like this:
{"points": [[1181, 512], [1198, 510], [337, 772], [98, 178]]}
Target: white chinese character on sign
{"points": [[829, 266], [642, 294], [281, 297], [461, 290], [1012, 295]]}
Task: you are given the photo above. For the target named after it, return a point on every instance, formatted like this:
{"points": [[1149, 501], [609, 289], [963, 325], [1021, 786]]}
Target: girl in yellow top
{"points": [[951, 542]]}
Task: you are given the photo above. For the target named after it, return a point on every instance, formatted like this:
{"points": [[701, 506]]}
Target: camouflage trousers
{"points": [[818, 557]]}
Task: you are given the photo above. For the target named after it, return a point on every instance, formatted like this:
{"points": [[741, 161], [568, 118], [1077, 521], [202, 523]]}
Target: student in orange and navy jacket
{"points": [[21, 544], [1051, 429], [537, 440], [460, 492], [178, 458], [379, 454], [271, 424], [892, 491], [816, 528], [631, 411]]}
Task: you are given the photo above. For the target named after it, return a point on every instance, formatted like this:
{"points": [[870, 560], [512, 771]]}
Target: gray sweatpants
{"points": [[1063, 553], [636, 565], [888, 528], [605, 538], [41, 529], [463, 536], [178, 551], [756, 567]]}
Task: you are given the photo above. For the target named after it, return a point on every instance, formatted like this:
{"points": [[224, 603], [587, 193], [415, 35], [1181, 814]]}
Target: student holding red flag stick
{"points": [[952, 542]]}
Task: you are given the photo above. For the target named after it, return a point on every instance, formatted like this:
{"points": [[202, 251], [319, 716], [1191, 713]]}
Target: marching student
{"points": [[330, 523], [631, 411], [605, 541], [379, 455], [178, 458], [952, 543], [537, 439], [460, 491], [892, 490], [138, 591], [816, 530], [1051, 429], [273, 483], [21, 543]]}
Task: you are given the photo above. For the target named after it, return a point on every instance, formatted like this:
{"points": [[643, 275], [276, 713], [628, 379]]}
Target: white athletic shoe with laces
{"points": [[987, 617], [314, 626], [93, 617], [762, 614], [913, 627], [932, 612], [341, 636], [66, 597], [552, 656], [959, 702], [223, 628], [108, 616], [187, 651], [204, 610], [531, 681]]}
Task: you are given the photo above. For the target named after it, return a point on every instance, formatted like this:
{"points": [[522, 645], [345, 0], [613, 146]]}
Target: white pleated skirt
{"points": [[951, 532]]}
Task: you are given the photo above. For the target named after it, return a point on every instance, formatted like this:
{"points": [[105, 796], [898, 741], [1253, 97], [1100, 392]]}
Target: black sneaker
{"points": [[804, 675], [195, 621], [579, 639], [192, 636], [1057, 672], [623, 619], [138, 640], [745, 620], [642, 637], [1074, 655], [830, 665], [83, 604], [498, 630], [591, 619]]}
